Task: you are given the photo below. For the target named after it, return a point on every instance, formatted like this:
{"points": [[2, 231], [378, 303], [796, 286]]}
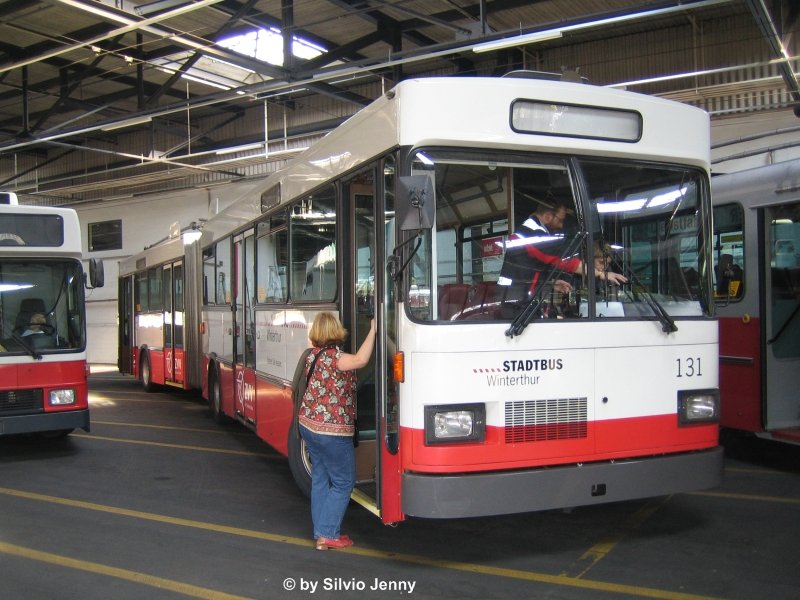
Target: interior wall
{"points": [[146, 220]]}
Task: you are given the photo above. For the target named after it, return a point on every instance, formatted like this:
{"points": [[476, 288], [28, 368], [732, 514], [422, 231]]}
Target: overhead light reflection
{"points": [[13, 287], [518, 40], [666, 198], [624, 206]]}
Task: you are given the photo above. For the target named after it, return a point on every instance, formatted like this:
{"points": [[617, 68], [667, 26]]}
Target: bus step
{"points": [[365, 501]]}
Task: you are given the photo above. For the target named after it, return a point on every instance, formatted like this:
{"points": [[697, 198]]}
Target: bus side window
{"points": [[272, 247], [209, 269], [223, 281], [729, 252], [313, 247]]}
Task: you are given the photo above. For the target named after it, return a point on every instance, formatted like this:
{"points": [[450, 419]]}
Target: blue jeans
{"points": [[333, 475]]}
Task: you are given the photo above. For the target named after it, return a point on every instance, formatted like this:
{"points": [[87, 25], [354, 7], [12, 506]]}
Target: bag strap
{"points": [[314, 362]]}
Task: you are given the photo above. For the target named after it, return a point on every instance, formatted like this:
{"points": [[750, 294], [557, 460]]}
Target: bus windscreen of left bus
{"points": [[40, 306]]}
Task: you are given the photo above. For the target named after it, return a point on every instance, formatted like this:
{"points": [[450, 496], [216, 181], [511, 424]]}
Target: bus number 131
{"points": [[688, 367]]}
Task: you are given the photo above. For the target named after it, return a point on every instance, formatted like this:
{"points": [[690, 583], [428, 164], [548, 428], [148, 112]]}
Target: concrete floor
{"points": [[160, 502]]}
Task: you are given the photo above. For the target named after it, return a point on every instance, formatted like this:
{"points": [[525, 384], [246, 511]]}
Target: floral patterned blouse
{"points": [[329, 404]]}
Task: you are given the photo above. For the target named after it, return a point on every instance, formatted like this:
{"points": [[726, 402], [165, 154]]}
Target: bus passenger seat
{"points": [[486, 291], [482, 301], [452, 299]]}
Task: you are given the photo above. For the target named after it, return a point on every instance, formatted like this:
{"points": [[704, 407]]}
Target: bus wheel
{"points": [[299, 460], [215, 399], [146, 373]]}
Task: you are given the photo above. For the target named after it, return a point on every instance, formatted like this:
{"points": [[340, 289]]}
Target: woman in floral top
{"points": [[327, 425]]}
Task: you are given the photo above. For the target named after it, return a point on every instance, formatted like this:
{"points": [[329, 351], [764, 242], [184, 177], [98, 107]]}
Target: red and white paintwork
{"points": [[630, 372], [758, 390], [52, 371]]}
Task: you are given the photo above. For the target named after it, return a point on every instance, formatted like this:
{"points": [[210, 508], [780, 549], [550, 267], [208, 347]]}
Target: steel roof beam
{"points": [[773, 40]]}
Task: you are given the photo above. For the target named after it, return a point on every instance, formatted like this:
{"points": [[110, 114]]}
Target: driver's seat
{"points": [[27, 308]]}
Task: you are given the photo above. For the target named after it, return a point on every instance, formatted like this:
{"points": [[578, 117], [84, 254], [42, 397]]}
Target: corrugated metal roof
{"points": [[84, 88]]}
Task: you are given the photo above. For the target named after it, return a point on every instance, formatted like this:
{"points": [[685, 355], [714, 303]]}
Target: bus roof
{"points": [[476, 112], [163, 252], [760, 186]]}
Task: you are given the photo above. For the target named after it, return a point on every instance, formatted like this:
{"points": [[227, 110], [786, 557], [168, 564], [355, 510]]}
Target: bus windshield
{"points": [[582, 238], [40, 306]]}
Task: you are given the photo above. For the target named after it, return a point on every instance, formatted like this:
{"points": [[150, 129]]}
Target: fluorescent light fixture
{"points": [[243, 148], [126, 123], [205, 81], [518, 40], [159, 5], [288, 151]]}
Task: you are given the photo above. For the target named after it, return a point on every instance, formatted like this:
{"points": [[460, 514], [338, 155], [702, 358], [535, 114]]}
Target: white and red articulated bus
{"points": [[475, 403], [43, 368], [757, 284]]}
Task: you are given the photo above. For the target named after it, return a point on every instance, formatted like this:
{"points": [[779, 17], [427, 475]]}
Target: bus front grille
{"points": [[20, 401], [545, 420]]}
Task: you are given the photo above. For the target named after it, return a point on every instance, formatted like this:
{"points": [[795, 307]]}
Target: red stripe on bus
{"points": [[48, 376], [603, 440]]}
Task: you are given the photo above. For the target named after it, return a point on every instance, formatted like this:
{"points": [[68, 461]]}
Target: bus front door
{"points": [[377, 474], [357, 312]]}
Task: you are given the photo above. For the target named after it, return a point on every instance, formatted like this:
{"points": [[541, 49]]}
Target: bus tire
{"points": [[299, 460], [146, 373], [215, 398]]}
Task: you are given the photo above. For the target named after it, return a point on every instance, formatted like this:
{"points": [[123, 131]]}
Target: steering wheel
{"points": [[47, 328]]}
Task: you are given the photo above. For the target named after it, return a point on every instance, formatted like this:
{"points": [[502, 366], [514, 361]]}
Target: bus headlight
{"points": [[453, 423], [61, 397], [698, 406]]}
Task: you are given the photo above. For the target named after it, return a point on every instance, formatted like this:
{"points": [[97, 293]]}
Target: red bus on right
{"points": [[757, 297]]}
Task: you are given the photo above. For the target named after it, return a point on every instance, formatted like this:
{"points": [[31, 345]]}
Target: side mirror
{"points": [[415, 203], [97, 278]]}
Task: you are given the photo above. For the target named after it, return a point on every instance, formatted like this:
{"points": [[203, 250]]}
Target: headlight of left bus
{"points": [[454, 423], [62, 397], [698, 406]]}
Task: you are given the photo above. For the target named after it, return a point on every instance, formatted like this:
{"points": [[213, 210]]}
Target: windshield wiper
{"points": [[22, 342], [522, 320], [667, 323]]}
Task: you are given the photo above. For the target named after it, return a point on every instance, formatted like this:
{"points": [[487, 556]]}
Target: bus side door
{"points": [[244, 327], [126, 344], [370, 208], [172, 284], [780, 229]]}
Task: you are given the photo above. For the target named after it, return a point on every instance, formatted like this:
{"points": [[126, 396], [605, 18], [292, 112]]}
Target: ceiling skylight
{"points": [[267, 45]]}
